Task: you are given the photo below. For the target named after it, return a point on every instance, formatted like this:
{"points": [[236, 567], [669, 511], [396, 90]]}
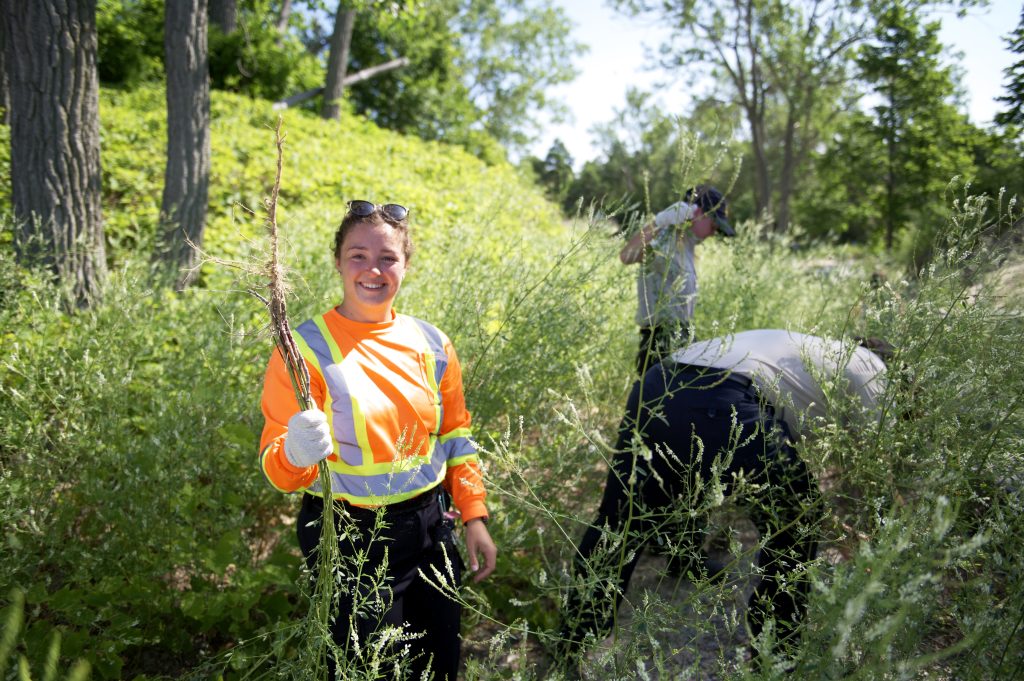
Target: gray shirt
{"points": [[667, 282], [794, 370]]}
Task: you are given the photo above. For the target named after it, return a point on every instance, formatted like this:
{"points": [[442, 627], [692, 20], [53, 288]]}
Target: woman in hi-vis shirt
{"points": [[391, 426]]}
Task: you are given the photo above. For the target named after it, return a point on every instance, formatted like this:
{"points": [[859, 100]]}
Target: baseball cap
{"points": [[712, 203]]}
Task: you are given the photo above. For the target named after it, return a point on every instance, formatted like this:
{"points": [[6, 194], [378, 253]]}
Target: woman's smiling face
{"points": [[372, 265]]}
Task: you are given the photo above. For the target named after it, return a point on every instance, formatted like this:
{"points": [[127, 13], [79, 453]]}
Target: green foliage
{"points": [[923, 136], [650, 156], [480, 69], [13, 619], [130, 36], [1014, 98], [258, 60], [554, 172]]}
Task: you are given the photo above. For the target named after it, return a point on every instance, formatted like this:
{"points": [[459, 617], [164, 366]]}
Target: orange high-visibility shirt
{"points": [[392, 393]]}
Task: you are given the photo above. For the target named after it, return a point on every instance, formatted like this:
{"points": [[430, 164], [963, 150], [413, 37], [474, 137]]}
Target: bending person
{"points": [[392, 427], [721, 408]]}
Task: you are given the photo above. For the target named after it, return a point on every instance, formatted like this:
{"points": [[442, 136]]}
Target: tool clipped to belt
{"points": [[444, 530]]}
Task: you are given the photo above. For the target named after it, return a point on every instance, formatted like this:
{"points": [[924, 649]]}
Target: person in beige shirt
{"points": [[712, 412]]}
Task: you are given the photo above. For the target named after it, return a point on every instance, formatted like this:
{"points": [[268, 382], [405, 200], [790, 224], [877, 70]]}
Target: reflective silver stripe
{"points": [[439, 357], [316, 342], [346, 443], [435, 341], [374, 490], [458, 446]]}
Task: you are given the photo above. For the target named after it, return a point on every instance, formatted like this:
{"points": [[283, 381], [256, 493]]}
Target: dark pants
{"points": [[659, 341], [669, 410], [410, 542]]}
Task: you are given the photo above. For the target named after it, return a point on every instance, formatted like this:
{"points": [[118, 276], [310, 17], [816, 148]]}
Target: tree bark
{"points": [[337, 63], [223, 14], [284, 15], [55, 141], [187, 175], [5, 98], [787, 173]]}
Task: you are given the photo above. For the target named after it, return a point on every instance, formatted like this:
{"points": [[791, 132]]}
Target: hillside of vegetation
{"points": [[140, 537]]}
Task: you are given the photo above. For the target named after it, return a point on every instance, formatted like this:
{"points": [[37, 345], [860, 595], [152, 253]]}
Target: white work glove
{"points": [[309, 438]]}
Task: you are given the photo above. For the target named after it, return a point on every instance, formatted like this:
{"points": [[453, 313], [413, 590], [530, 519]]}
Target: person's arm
{"points": [[677, 214], [279, 406], [464, 479], [633, 251], [479, 544]]}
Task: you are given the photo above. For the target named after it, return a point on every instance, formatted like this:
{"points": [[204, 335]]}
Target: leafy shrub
{"points": [[260, 62], [130, 41]]}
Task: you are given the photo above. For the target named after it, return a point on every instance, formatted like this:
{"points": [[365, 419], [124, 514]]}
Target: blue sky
{"points": [[616, 60]]}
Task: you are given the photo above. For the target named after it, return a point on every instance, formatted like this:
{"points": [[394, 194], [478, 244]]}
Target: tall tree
{"points": [[187, 174], [1014, 97], [786, 61], [554, 171], [223, 14], [55, 141], [479, 70], [926, 141], [650, 158], [337, 60]]}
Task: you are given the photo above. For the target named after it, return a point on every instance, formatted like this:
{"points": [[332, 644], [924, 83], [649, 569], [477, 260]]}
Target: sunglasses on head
{"points": [[391, 211]]}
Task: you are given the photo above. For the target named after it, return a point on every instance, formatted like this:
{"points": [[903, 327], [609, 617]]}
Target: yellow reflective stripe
{"points": [[434, 388], [321, 324], [307, 352], [266, 474], [311, 358], [457, 432], [468, 458], [403, 464]]}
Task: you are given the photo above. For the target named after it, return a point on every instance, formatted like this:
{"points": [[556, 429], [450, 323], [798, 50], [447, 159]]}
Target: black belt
{"points": [[712, 375]]}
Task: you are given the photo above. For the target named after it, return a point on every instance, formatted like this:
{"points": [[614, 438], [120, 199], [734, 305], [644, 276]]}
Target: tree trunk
{"points": [[337, 63], [187, 176], [890, 174], [284, 15], [55, 140], [5, 98], [786, 176], [223, 14], [762, 180]]}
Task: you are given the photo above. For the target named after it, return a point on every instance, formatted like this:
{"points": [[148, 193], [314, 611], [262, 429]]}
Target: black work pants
{"points": [[659, 341], [411, 541], [673, 411]]}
